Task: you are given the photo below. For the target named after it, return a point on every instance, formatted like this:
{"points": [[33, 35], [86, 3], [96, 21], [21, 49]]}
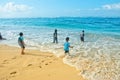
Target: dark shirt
{"points": [[1, 37], [55, 35]]}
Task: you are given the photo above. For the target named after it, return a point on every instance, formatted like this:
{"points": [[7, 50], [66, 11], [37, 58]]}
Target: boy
{"points": [[66, 46], [21, 43], [82, 36], [1, 37], [55, 39]]}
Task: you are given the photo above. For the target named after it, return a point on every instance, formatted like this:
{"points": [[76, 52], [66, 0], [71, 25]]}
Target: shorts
{"points": [[66, 51], [21, 45], [82, 39]]}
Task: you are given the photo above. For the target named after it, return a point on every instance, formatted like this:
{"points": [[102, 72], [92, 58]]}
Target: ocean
{"points": [[98, 58]]}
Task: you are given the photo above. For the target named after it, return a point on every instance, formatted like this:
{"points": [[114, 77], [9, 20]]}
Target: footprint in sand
{"points": [[40, 66], [5, 62], [29, 65], [42, 61], [12, 74], [50, 62], [46, 63]]}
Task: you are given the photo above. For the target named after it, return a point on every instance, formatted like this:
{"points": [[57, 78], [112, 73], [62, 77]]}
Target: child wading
{"points": [[55, 39], [82, 36], [66, 46]]}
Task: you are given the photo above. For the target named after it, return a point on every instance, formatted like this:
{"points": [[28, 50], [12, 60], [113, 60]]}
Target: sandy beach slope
{"points": [[34, 65]]}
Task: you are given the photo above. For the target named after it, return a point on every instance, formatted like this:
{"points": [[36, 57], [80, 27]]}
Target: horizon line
{"points": [[66, 17]]}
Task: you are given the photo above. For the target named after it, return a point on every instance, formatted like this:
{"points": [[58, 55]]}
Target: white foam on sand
{"points": [[97, 60]]}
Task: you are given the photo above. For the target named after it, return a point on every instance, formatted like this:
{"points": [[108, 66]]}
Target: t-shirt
{"points": [[55, 34], [66, 46], [82, 35], [1, 36], [20, 39]]}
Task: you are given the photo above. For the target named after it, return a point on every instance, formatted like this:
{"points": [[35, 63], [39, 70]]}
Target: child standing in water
{"points": [[82, 36], [55, 39], [21, 43], [1, 37], [66, 46]]}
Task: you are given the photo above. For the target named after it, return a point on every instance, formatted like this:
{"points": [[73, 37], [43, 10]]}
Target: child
{"points": [[21, 43], [55, 39], [1, 37], [82, 36], [67, 45]]}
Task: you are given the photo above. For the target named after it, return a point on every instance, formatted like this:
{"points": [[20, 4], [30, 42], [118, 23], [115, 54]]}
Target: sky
{"points": [[59, 8]]}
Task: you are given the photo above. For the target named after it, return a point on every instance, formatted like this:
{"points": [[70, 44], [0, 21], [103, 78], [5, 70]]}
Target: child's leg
{"points": [[22, 52], [54, 40], [67, 52]]}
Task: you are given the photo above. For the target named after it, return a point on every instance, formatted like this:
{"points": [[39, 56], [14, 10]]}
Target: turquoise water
{"points": [[101, 46], [43, 28], [111, 25]]}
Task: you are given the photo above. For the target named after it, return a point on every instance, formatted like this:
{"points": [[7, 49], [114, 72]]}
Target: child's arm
{"points": [[71, 46]]}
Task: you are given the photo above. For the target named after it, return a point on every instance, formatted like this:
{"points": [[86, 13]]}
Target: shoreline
{"points": [[34, 64]]}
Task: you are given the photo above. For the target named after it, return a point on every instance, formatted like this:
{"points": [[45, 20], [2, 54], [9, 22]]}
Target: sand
{"points": [[34, 65]]}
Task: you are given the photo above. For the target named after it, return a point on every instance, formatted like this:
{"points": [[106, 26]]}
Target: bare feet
{"points": [[22, 53]]}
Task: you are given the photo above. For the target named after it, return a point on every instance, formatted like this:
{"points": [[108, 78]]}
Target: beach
{"points": [[98, 58], [33, 65]]}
